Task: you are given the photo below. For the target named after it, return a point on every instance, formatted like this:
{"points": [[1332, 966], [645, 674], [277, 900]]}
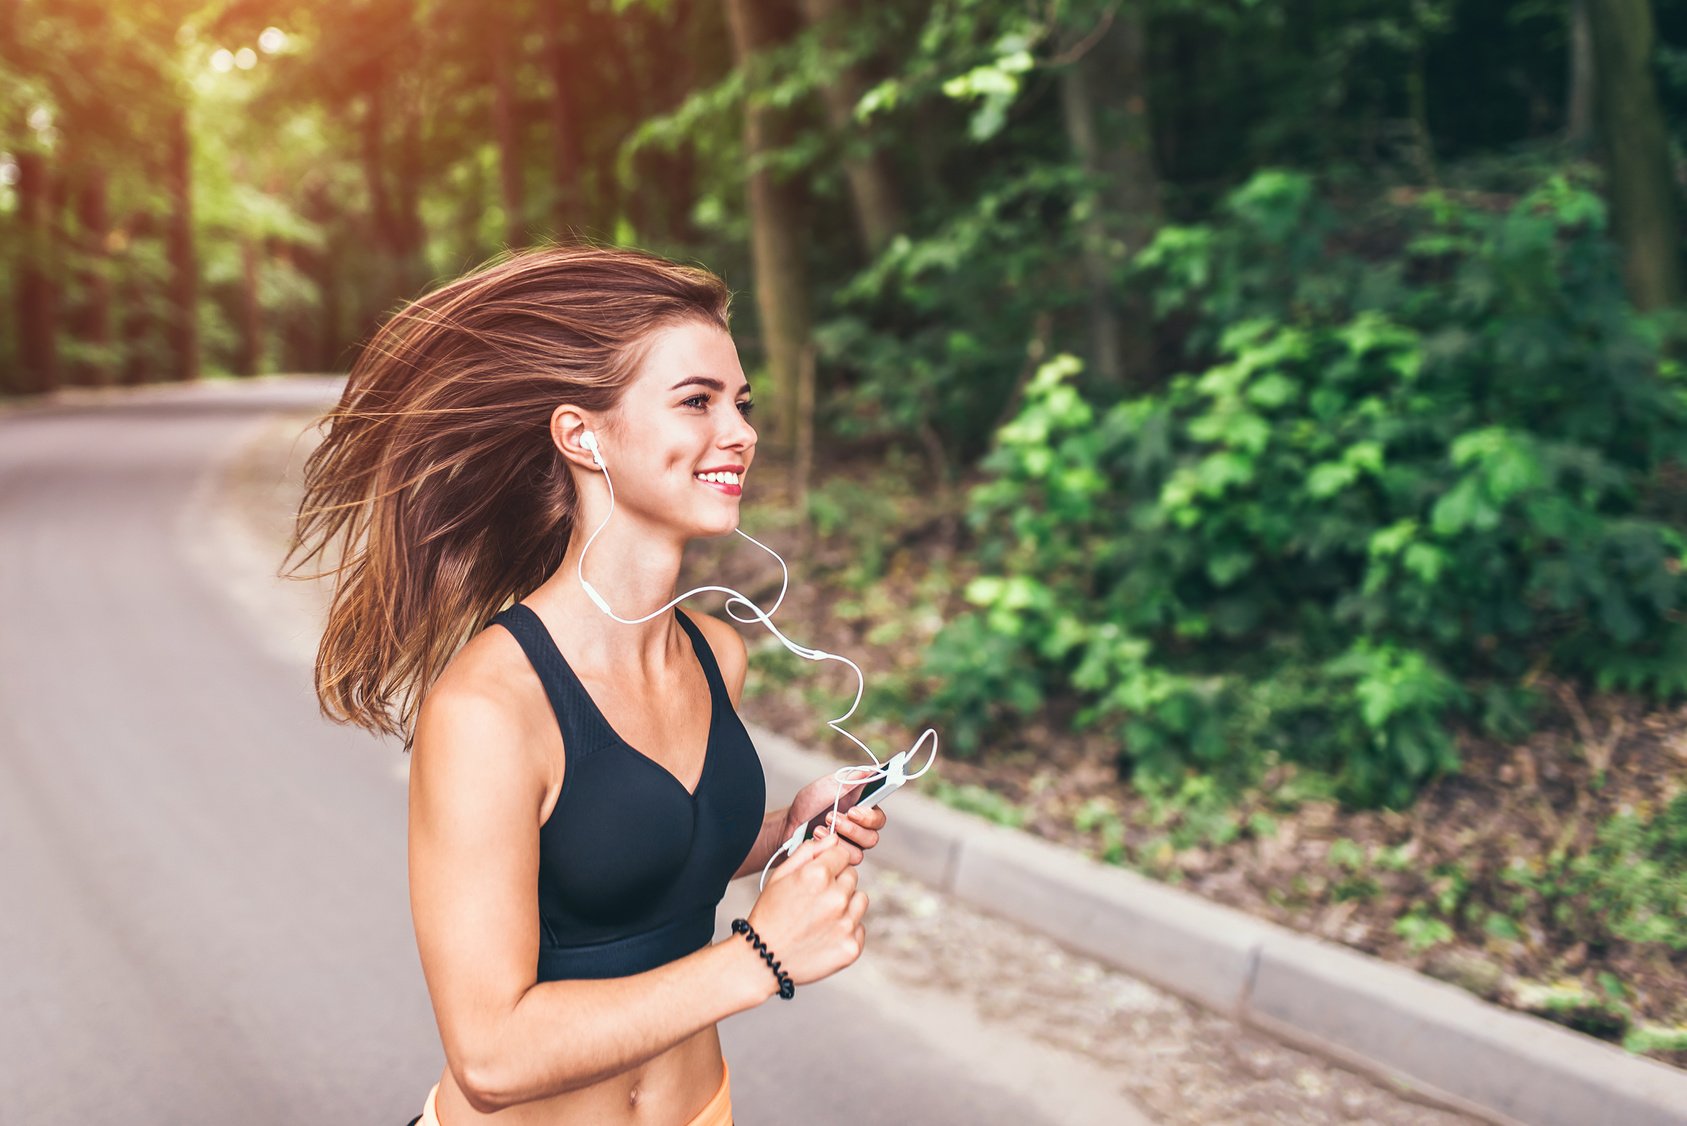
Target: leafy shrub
{"points": [[908, 354], [1404, 476], [1631, 885]]}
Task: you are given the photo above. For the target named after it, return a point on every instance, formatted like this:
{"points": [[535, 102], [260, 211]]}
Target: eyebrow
{"points": [[707, 381]]}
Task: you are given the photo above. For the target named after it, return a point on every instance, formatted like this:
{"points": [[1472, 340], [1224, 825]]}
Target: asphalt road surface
{"points": [[203, 914]]}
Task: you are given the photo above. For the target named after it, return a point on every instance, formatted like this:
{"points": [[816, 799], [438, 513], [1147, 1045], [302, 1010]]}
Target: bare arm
{"points": [[475, 796]]}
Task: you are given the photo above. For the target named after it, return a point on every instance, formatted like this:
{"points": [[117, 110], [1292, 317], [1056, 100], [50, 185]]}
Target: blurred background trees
{"points": [[1313, 360]]}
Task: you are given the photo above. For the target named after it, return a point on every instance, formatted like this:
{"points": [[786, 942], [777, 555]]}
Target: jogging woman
{"points": [[581, 790]]}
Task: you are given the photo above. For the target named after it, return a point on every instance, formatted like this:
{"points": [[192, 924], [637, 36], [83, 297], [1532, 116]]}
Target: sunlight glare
{"points": [[223, 61], [246, 58], [271, 40]]}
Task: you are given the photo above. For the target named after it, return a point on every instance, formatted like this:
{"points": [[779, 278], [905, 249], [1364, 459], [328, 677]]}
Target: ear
{"points": [[569, 425]]}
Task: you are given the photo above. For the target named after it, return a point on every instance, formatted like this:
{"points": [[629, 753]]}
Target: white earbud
{"points": [[589, 440]]}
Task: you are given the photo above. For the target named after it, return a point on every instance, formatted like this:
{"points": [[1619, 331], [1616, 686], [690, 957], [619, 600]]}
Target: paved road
{"points": [[204, 914]]}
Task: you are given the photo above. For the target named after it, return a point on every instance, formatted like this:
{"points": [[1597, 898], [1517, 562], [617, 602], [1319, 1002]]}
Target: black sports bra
{"points": [[631, 866]]}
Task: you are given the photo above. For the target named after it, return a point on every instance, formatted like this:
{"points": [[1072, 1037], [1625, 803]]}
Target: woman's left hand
{"points": [[858, 829]]}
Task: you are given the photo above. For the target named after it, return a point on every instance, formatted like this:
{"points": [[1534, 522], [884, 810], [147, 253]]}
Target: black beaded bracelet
{"points": [[787, 987]]}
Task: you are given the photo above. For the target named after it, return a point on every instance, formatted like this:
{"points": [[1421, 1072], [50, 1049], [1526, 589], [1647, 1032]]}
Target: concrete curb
{"points": [[1424, 1035]]}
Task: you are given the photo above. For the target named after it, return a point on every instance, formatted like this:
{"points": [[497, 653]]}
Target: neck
{"points": [[634, 570]]}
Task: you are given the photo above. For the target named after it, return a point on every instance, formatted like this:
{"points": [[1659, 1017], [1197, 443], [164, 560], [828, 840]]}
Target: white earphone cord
{"points": [[858, 775]]}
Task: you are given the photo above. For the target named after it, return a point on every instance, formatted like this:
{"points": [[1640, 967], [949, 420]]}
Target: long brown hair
{"points": [[437, 478]]}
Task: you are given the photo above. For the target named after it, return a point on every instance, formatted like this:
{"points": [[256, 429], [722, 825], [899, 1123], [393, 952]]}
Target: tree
{"points": [[1104, 102], [1636, 150], [781, 271], [873, 192]]}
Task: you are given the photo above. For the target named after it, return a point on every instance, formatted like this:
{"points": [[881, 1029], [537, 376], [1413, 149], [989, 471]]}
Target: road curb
{"points": [[1425, 1036]]}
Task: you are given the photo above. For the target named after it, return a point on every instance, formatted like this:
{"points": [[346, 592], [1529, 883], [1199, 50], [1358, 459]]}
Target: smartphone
{"points": [[853, 797]]}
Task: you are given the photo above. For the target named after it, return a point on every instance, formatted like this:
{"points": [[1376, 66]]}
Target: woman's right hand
{"points": [[810, 912]]}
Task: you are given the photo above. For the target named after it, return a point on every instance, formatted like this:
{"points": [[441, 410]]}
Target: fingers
{"points": [[799, 859], [836, 859], [869, 818], [857, 906], [846, 846], [859, 827]]}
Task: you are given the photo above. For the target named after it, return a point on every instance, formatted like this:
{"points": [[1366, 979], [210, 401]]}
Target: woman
{"points": [[581, 790]]}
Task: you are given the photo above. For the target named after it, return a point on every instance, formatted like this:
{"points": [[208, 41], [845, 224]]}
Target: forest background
{"points": [[1253, 430]]}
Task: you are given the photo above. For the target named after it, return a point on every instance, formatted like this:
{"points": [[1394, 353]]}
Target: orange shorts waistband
{"points": [[718, 1112]]}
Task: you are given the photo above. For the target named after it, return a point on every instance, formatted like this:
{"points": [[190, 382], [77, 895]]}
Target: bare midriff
{"points": [[667, 1090]]}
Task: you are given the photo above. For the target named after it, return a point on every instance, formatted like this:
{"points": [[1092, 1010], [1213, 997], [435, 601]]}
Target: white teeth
{"points": [[719, 478]]}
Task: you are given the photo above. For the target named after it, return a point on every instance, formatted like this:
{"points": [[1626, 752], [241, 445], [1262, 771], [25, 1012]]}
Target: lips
{"points": [[731, 488], [721, 486]]}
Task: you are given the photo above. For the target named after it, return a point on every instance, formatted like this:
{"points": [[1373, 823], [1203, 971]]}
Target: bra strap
{"points": [[583, 727], [706, 658]]}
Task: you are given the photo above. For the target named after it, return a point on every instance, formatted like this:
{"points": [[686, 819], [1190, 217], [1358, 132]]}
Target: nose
{"points": [[737, 434]]}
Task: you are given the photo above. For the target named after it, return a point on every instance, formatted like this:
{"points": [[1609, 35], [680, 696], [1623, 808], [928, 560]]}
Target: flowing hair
{"points": [[437, 478]]}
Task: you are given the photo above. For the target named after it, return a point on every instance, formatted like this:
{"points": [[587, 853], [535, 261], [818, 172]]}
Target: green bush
{"points": [[1631, 885], [1412, 466], [908, 355]]}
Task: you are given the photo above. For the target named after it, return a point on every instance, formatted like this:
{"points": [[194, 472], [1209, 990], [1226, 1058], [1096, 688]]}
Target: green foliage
{"points": [[1422, 930], [1399, 479], [1654, 1039], [1572, 1004], [910, 350], [971, 798], [865, 515], [1098, 816], [1631, 885]]}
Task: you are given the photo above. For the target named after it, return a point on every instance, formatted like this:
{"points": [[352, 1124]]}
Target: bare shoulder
{"points": [[730, 652], [475, 730]]}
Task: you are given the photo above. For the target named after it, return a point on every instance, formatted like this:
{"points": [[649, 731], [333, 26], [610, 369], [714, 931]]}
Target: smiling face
{"points": [[680, 441]]}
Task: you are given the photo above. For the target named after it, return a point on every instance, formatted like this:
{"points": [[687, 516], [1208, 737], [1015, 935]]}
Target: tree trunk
{"points": [[374, 164], [394, 212], [633, 205], [413, 233], [879, 214], [184, 263], [565, 131], [678, 181], [776, 239], [318, 350], [135, 305], [251, 323], [1636, 148], [1578, 124], [1104, 103], [1098, 256], [91, 322], [38, 285], [505, 129], [802, 464]]}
